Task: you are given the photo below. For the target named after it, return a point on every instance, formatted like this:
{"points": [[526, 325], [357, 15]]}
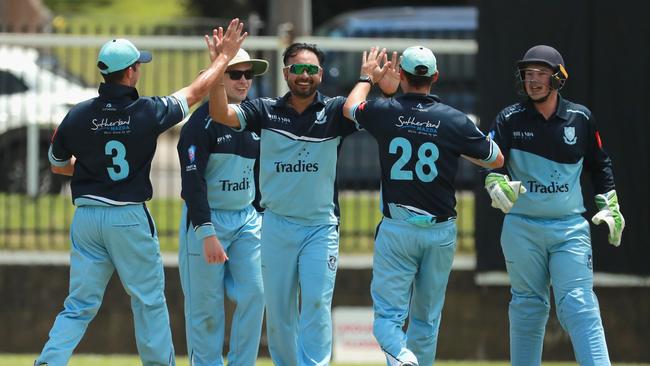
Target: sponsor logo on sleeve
{"points": [[191, 157]]}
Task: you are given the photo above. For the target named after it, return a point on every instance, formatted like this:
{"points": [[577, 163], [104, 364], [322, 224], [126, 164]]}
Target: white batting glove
{"points": [[610, 214], [503, 192]]}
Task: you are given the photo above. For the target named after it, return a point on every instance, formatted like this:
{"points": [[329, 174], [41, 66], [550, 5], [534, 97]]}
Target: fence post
{"points": [[32, 165], [284, 40]]}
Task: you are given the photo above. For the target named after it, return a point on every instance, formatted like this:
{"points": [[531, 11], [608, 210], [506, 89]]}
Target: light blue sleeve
{"points": [[494, 152], [56, 161], [205, 230], [241, 116]]}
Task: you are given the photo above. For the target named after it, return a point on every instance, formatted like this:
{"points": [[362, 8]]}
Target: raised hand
{"points": [[214, 44], [233, 38], [390, 82], [370, 63]]}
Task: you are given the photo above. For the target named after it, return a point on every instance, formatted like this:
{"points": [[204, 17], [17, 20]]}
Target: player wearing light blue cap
{"points": [[547, 141], [107, 144], [420, 141]]}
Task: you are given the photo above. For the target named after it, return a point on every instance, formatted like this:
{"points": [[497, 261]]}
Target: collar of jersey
{"points": [[560, 112], [318, 100], [118, 91], [431, 97]]}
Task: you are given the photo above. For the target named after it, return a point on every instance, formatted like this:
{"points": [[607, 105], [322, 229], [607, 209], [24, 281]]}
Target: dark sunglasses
{"points": [[299, 69], [237, 74]]}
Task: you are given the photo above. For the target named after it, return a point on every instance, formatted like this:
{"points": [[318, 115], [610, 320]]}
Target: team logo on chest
{"points": [[570, 137], [321, 117]]}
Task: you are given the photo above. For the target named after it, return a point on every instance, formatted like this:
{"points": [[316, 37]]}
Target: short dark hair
{"points": [[418, 81], [115, 76], [294, 48]]}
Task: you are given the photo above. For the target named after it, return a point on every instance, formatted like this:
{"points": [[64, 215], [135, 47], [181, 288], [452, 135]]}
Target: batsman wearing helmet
{"points": [[547, 142]]}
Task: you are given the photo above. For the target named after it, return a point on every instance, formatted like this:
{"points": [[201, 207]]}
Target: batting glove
{"points": [[610, 213], [502, 191]]}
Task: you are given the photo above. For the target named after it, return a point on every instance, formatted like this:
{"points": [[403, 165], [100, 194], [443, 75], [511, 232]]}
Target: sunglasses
{"points": [[237, 74], [299, 69]]}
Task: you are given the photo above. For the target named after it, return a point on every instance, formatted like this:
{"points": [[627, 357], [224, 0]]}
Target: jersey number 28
{"points": [[117, 152], [427, 156]]}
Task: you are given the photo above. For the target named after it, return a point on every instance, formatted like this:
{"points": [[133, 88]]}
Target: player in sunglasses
{"points": [[219, 250]]}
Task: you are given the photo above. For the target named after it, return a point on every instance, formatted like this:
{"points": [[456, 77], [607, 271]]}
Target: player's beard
{"points": [[303, 91]]}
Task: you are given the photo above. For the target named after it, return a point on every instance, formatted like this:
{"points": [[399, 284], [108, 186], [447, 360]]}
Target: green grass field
{"points": [[120, 360], [43, 223]]}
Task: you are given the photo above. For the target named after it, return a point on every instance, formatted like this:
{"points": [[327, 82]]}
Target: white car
{"points": [[31, 93]]}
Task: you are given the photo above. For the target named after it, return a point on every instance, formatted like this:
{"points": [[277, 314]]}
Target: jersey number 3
{"points": [[117, 152], [427, 156]]}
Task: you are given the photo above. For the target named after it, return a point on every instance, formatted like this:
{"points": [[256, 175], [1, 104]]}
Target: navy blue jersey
{"points": [[420, 141], [548, 156], [217, 167], [298, 155], [113, 138]]}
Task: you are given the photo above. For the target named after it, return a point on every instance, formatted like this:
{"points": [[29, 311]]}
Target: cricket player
{"points": [[420, 141], [113, 139], [301, 133], [548, 141], [219, 223]]}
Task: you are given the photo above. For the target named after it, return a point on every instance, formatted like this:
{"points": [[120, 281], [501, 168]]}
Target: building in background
{"points": [[23, 16]]}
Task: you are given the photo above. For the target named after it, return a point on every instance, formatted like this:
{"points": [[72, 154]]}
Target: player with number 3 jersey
{"points": [[113, 139]]}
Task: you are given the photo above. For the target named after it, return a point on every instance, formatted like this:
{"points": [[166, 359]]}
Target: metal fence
{"points": [[43, 75]]}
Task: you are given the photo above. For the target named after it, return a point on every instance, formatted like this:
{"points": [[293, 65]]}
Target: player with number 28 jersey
{"points": [[420, 141]]}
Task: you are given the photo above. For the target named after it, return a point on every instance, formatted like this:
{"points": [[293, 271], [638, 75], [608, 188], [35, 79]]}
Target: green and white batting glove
{"points": [[503, 192], [610, 214]]}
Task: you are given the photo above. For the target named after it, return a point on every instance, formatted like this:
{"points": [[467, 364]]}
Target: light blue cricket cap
{"points": [[118, 54], [418, 60]]}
